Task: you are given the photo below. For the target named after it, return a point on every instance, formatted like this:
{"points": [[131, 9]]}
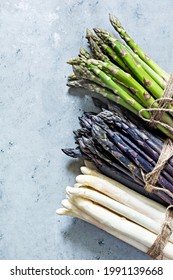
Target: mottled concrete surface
{"points": [[38, 115]]}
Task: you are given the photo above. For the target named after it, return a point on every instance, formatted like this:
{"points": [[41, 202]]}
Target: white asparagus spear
{"points": [[122, 225], [116, 207], [77, 213], [120, 195], [89, 171], [78, 185]]}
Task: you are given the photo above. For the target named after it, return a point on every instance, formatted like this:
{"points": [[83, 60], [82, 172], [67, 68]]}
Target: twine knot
{"points": [[152, 177], [163, 104]]}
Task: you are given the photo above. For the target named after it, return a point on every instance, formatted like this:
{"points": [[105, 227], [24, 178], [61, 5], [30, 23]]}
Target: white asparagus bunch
{"points": [[116, 209]]}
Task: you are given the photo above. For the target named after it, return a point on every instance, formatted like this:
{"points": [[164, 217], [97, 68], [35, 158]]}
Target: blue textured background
{"points": [[38, 114]]}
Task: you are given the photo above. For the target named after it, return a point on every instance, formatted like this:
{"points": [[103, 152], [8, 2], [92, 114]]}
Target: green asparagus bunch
{"points": [[122, 73]]}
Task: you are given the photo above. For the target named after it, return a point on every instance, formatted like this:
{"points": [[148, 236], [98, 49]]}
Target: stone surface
{"points": [[38, 114]]}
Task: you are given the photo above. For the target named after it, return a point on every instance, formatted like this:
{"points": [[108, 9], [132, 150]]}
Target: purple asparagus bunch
{"points": [[122, 150]]}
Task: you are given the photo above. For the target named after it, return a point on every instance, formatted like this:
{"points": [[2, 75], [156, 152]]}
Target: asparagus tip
{"points": [[85, 170], [69, 152], [61, 211], [76, 61], [69, 189], [101, 33], [65, 151], [72, 77], [97, 30], [88, 33], [65, 203], [84, 54], [73, 83], [82, 50], [114, 20], [70, 61]]}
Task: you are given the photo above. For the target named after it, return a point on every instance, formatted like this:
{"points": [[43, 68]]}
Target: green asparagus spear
{"points": [[143, 77], [159, 80], [97, 44], [93, 87], [124, 35]]}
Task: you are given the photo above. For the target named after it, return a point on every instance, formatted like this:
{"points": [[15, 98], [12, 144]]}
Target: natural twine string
{"points": [[150, 180], [156, 250], [163, 103]]}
